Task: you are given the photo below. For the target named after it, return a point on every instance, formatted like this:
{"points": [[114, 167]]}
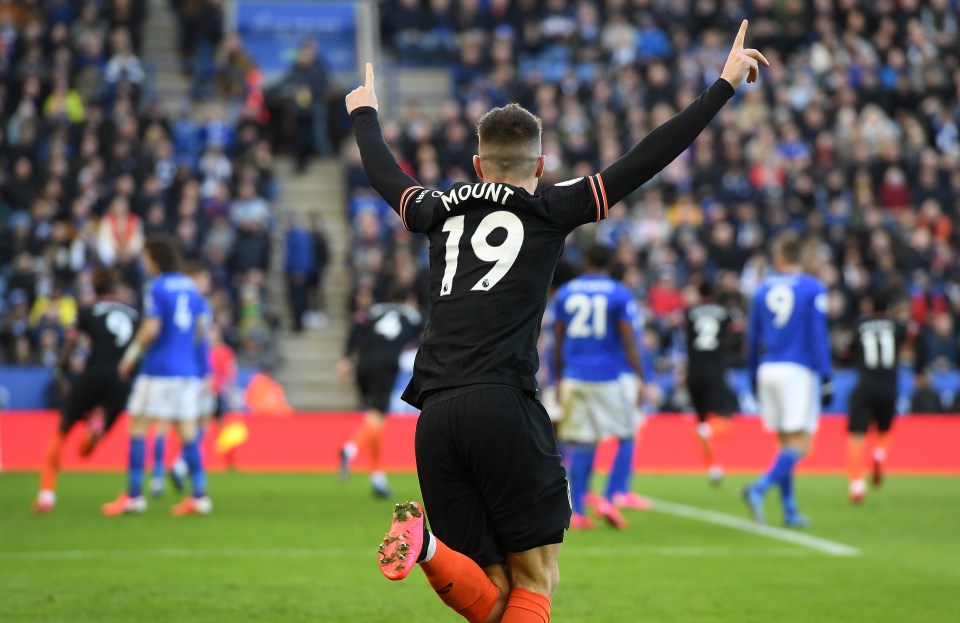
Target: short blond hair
{"points": [[786, 246]]}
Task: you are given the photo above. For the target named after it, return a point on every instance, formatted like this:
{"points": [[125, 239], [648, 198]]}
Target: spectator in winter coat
{"points": [[299, 265]]}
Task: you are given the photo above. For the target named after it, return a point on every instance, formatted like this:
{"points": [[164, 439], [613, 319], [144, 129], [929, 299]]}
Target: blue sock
{"points": [[581, 467], [619, 481], [159, 450], [136, 460], [198, 477], [183, 450], [781, 468], [786, 490]]}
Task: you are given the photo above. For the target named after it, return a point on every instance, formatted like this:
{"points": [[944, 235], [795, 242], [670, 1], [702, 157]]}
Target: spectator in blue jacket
{"points": [[301, 264]]}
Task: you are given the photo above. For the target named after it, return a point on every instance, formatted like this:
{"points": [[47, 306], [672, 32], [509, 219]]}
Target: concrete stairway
{"points": [[308, 372], [430, 87], [308, 369], [161, 56]]}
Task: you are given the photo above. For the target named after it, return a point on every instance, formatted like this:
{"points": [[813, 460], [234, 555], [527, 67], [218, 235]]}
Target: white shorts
{"points": [[789, 396], [630, 386], [593, 410], [548, 398], [206, 398], [172, 398]]}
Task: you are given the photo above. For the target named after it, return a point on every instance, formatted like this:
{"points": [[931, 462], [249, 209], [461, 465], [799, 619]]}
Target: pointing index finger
{"points": [[369, 82], [741, 35]]}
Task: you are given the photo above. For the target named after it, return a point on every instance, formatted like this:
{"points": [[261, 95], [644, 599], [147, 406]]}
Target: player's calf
{"points": [[534, 577]]}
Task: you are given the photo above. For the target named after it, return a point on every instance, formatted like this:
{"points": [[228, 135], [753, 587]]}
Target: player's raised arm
{"points": [[665, 143], [385, 175]]}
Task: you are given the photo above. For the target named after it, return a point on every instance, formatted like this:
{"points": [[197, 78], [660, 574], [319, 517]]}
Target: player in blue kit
{"points": [[166, 389], [594, 321], [206, 396], [789, 363]]}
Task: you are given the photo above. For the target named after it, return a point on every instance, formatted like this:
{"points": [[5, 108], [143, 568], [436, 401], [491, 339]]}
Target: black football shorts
{"points": [[872, 402], [376, 386], [710, 394], [94, 388], [490, 472]]}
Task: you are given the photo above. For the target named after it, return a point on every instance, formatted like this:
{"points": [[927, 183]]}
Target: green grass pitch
{"points": [[292, 548]]}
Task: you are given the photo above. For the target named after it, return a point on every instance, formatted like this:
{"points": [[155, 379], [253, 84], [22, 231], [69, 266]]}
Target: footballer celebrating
{"points": [[487, 459]]}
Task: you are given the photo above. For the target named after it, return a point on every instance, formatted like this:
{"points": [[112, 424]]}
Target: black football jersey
{"points": [[111, 327], [379, 334], [876, 348], [493, 249], [708, 336]]}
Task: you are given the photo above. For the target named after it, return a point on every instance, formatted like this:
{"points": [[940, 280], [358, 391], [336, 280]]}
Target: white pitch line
{"points": [[87, 554], [684, 551], [570, 551], [789, 536]]}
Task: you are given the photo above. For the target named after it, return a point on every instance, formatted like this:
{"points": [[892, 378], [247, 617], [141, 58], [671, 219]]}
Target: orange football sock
{"points": [[707, 452], [720, 425], [704, 432], [375, 442], [461, 583], [883, 445], [365, 435], [527, 607], [51, 463], [854, 459]]}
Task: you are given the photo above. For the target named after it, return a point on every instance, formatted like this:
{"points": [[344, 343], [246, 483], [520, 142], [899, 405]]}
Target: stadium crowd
{"points": [[851, 138], [91, 163]]}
